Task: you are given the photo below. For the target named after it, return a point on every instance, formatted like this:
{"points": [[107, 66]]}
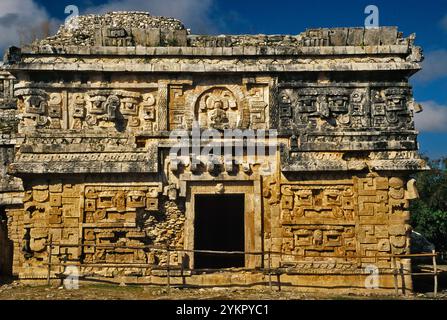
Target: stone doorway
{"points": [[5, 247], [219, 226], [249, 192]]}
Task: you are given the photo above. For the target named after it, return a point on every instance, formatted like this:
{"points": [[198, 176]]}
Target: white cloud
{"points": [[433, 118], [195, 14], [444, 23], [20, 22], [434, 66]]}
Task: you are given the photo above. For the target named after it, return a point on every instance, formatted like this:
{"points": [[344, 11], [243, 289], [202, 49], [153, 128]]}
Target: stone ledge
{"points": [[229, 67], [76, 167], [337, 166], [11, 198], [219, 51], [7, 141]]}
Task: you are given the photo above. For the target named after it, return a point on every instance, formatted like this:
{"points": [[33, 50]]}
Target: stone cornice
{"points": [[402, 49]]}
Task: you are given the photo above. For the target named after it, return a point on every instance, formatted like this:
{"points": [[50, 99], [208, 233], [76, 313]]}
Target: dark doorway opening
{"points": [[6, 247], [219, 226]]}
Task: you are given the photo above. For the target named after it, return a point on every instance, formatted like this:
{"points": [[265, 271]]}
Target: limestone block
{"points": [[372, 37], [388, 35], [355, 37], [339, 36]]}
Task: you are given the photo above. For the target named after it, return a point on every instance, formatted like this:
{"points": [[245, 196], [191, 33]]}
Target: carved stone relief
{"points": [[336, 108], [219, 107], [117, 110]]}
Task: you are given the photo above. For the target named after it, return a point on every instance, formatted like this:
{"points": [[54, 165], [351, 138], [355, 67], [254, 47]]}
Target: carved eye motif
{"points": [[149, 113], [149, 99], [285, 98], [99, 215], [356, 97], [318, 236], [34, 101], [113, 102], [79, 111]]}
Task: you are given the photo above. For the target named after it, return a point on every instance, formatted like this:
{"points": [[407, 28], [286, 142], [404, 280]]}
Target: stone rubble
{"points": [[82, 29]]}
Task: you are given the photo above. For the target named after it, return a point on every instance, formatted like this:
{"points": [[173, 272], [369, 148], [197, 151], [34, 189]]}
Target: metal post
{"points": [[49, 250], [402, 276], [278, 277], [270, 264], [168, 271], [435, 272], [396, 289], [270, 270], [182, 270]]}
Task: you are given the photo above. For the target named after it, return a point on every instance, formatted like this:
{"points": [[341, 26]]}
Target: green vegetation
{"points": [[429, 213]]}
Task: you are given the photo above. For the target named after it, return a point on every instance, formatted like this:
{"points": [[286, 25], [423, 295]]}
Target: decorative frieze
{"points": [[328, 222], [337, 108], [112, 110]]}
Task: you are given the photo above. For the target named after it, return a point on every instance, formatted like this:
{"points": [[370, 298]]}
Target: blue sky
{"points": [[428, 19]]}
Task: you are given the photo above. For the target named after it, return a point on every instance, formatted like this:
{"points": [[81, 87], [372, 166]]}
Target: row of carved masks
{"points": [[94, 107], [305, 107], [121, 199], [340, 107]]}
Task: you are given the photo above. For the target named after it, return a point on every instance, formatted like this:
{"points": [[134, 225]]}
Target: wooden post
{"points": [[168, 282], [270, 270], [49, 250], [435, 272], [396, 289], [182, 270], [402, 276], [278, 277]]}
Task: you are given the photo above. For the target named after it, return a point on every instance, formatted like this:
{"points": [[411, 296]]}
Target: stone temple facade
{"points": [[88, 162]]}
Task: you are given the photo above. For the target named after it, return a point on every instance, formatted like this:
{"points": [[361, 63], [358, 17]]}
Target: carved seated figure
{"points": [[217, 117]]}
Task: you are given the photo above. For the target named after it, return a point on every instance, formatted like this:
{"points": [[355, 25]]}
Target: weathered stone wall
{"points": [[114, 212], [10, 186], [343, 219], [97, 106], [8, 129]]}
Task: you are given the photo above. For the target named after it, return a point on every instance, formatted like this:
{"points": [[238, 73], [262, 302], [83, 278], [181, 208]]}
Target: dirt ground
{"points": [[17, 291]]}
